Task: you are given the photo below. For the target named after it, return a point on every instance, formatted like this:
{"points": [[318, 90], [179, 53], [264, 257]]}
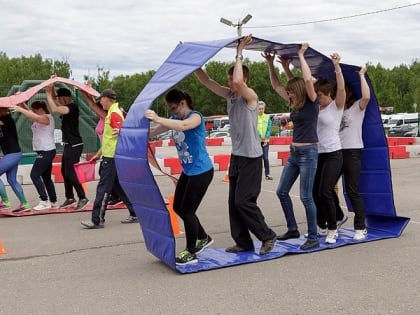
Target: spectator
{"points": [[264, 132], [107, 170], [73, 143], [43, 144], [245, 169], [197, 168]]}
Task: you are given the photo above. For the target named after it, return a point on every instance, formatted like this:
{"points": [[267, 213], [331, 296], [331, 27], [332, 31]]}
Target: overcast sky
{"points": [[132, 36]]}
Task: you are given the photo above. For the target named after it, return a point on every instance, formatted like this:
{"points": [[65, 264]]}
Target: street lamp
{"points": [[237, 25], [418, 118]]}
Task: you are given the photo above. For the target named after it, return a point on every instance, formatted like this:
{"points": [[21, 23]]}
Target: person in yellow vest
{"points": [[108, 178], [264, 132]]}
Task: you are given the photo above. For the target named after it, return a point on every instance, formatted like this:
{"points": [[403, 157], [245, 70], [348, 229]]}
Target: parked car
{"points": [[219, 134], [412, 133], [399, 131]]}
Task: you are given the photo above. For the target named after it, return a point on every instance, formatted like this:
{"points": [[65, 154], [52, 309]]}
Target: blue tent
{"points": [[140, 185]]}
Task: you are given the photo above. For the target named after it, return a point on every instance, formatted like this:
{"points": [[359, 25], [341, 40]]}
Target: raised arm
{"points": [[285, 63], [364, 101], [52, 106], [23, 109], [239, 84], [209, 83], [340, 98], [274, 79], [97, 108], [306, 72]]}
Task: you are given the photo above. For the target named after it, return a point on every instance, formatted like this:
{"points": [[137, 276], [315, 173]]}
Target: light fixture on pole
{"points": [[237, 25]]}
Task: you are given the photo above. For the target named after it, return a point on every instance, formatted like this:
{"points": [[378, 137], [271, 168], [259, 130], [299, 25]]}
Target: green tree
{"points": [[15, 70]]}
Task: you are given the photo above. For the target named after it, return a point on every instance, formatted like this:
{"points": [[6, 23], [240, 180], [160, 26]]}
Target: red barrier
{"points": [[214, 141], [280, 140], [283, 156], [174, 164], [223, 161], [398, 152]]}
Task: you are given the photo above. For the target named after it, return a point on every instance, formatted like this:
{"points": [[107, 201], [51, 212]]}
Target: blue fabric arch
{"points": [[140, 185]]}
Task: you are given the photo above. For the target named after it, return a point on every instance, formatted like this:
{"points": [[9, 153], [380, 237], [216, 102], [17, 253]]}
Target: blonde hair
{"points": [[297, 86]]}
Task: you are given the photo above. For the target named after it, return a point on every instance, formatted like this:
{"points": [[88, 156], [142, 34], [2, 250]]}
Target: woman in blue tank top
{"points": [[197, 168]]}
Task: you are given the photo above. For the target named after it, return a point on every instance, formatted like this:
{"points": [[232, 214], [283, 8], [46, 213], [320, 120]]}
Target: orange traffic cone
{"points": [[85, 189], [2, 250], [226, 178], [173, 216]]}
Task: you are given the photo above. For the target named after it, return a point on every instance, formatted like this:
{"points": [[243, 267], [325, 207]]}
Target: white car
{"points": [[219, 134]]}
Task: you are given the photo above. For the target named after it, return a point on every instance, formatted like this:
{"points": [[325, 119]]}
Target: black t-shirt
{"points": [[9, 142], [70, 125]]}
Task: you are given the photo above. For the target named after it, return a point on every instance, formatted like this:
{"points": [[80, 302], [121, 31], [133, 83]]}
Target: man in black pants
{"points": [[73, 143], [108, 178]]}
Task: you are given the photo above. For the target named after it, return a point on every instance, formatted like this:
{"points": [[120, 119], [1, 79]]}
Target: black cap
{"points": [[63, 92], [110, 93]]}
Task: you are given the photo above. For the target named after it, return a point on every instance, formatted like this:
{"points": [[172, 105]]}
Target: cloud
{"points": [[128, 36]]}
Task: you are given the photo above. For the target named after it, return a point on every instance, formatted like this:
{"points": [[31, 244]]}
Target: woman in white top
{"points": [[332, 97], [44, 145], [352, 145]]}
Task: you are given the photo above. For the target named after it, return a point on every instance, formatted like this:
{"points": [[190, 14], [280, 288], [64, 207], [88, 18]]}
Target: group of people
{"points": [[327, 142], [44, 146], [40, 113]]}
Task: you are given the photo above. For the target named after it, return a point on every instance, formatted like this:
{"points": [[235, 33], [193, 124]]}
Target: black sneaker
{"points": [[309, 244], [288, 235], [268, 245], [90, 225], [200, 245], [237, 249], [268, 177], [81, 204], [185, 258], [68, 203]]}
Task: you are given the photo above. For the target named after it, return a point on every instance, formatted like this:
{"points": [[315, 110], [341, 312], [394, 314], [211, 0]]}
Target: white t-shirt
{"points": [[328, 126], [43, 135], [351, 127]]}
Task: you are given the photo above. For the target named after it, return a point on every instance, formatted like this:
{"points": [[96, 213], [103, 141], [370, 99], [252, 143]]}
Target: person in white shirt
{"points": [[44, 145], [352, 145], [332, 97]]}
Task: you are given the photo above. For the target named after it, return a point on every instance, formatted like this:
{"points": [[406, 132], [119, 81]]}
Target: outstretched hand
{"points": [[269, 57]]}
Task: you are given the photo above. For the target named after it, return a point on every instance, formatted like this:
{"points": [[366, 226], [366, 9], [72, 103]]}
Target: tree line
{"points": [[398, 87]]}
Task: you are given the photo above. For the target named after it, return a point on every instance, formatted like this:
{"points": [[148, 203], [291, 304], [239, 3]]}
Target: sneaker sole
{"points": [[207, 245], [68, 206], [194, 261]]}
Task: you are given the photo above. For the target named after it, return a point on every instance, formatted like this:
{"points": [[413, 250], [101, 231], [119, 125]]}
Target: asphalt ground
{"points": [[54, 266]]}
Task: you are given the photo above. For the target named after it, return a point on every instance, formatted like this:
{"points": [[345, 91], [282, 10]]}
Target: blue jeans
{"points": [[9, 165], [302, 161]]}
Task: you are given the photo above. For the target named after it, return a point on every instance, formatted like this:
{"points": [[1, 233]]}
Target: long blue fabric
{"points": [[139, 183]]}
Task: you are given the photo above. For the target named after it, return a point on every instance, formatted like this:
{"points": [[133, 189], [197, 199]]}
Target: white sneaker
{"points": [[55, 205], [331, 237], [360, 235], [43, 205]]}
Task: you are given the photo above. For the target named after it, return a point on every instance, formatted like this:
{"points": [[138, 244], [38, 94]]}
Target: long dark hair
{"points": [[176, 96]]}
